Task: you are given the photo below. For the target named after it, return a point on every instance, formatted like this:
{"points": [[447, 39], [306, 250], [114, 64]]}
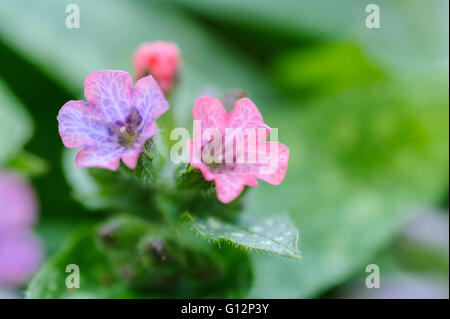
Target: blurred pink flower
{"points": [[20, 251], [115, 122], [18, 204], [20, 256], [231, 176], [160, 59]]}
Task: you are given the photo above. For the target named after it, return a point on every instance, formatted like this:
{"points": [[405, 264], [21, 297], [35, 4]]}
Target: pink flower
{"points": [[115, 122], [160, 59], [20, 251], [18, 205], [231, 172], [20, 256]]}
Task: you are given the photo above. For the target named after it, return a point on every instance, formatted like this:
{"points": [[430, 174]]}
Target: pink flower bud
{"points": [[160, 59]]}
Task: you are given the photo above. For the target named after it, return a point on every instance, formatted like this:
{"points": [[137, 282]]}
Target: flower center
{"points": [[215, 166], [127, 137], [220, 166], [127, 131]]}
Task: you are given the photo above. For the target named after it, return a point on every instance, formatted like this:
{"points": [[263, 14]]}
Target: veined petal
{"points": [[110, 91], [204, 169], [210, 112], [94, 156], [80, 123], [130, 157], [247, 155], [228, 187], [148, 98], [245, 115], [275, 170], [149, 131]]}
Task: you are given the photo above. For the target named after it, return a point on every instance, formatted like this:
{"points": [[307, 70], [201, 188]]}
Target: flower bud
{"points": [[160, 59]]}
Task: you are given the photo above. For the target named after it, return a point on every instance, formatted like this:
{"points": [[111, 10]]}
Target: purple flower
{"points": [[20, 256], [18, 204], [20, 251], [115, 122]]}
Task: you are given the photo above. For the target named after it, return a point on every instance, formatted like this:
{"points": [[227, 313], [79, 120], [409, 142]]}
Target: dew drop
{"points": [[237, 234]]}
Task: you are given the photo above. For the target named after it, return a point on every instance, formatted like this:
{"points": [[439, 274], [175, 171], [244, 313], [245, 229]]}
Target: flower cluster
{"points": [[117, 119], [20, 250]]}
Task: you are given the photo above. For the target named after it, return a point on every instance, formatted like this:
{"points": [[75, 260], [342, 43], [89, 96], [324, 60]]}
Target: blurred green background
{"points": [[363, 111]]}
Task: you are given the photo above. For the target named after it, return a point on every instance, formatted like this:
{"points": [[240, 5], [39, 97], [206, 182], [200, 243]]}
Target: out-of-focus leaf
{"points": [[109, 33], [411, 32], [122, 190], [325, 69], [16, 126], [29, 164], [276, 235], [126, 257], [359, 161], [53, 231], [85, 188], [173, 264], [97, 280], [293, 17]]}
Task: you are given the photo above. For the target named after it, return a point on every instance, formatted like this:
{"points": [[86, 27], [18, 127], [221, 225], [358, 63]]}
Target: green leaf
{"points": [[276, 235], [128, 257], [97, 280], [71, 54], [423, 44], [325, 69], [365, 159], [16, 126], [119, 191], [29, 164]]}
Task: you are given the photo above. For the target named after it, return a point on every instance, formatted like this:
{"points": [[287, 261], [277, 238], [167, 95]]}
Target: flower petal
{"points": [[93, 156], [228, 187], [80, 123], [148, 98], [130, 158], [206, 172], [210, 112], [110, 91], [245, 115], [278, 155]]}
